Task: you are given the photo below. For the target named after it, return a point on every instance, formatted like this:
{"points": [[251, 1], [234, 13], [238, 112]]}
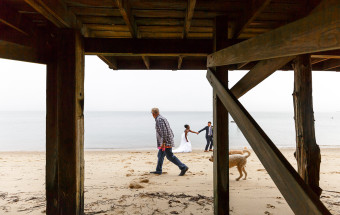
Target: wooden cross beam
{"points": [[13, 36], [13, 19], [188, 17], [241, 65], [14, 51], [256, 75], [318, 60], [253, 9], [58, 13], [146, 61], [150, 47], [110, 61], [180, 61], [316, 32], [54, 11], [125, 11], [298, 195], [331, 64]]}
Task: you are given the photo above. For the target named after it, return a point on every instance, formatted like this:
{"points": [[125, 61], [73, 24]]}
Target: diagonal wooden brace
{"points": [[298, 195]]}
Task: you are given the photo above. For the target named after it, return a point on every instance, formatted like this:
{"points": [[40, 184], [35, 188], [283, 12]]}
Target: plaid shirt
{"points": [[163, 132]]}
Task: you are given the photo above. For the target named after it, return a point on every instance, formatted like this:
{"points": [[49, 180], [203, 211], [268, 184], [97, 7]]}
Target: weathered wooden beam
{"points": [[13, 19], [14, 36], [110, 61], [52, 92], [318, 60], [254, 8], [146, 61], [299, 196], [162, 64], [188, 17], [70, 122], [55, 11], [241, 65], [14, 51], [125, 11], [107, 46], [307, 150], [221, 128], [331, 64], [326, 56], [180, 61], [307, 35], [256, 75]]}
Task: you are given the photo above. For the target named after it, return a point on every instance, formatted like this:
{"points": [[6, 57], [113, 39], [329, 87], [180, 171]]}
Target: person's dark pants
{"points": [[209, 141], [171, 157]]}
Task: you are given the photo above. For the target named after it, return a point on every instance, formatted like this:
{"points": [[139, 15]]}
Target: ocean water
{"points": [[25, 131]]}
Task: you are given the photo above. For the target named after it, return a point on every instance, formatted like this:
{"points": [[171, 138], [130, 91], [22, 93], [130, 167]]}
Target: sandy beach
{"points": [[118, 182]]}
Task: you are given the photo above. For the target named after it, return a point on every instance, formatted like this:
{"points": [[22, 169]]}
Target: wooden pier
{"points": [[219, 36]]}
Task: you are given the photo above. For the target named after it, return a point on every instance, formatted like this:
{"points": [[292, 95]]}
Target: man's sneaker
{"points": [[183, 171], [155, 172]]}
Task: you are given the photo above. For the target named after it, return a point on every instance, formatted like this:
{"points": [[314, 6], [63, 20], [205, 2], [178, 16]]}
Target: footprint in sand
{"points": [[144, 180], [270, 206], [268, 213], [135, 185]]}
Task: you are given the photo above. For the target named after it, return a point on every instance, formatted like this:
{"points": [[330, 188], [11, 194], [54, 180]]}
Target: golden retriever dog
{"points": [[241, 152], [238, 160]]}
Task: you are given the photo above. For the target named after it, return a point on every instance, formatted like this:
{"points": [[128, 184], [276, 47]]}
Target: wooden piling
{"points": [[65, 126], [307, 151], [221, 128], [52, 138]]}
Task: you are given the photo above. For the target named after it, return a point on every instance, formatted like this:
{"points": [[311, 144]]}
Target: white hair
{"points": [[155, 110]]}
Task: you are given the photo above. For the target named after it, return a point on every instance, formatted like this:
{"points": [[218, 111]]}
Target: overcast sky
{"points": [[23, 87]]}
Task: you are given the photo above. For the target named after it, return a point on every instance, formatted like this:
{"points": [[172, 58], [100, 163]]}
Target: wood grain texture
{"points": [[307, 150], [298, 195], [180, 61], [318, 31], [252, 10], [14, 51], [54, 11], [52, 138], [110, 61], [146, 61], [188, 17], [70, 123], [221, 128], [257, 74], [125, 10]]}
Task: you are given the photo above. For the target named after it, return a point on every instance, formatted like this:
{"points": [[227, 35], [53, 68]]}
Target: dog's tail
{"points": [[246, 150]]}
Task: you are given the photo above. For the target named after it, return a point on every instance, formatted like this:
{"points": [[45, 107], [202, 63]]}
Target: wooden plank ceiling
{"points": [[150, 19]]}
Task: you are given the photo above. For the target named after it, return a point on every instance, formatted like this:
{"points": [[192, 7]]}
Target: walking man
{"points": [[165, 142], [209, 136]]}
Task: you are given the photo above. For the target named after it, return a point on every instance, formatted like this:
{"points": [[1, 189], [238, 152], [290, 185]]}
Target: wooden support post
{"points": [[52, 138], [70, 91], [298, 195], [307, 151], [221, 128]]}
